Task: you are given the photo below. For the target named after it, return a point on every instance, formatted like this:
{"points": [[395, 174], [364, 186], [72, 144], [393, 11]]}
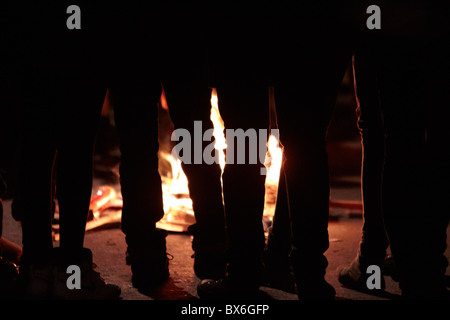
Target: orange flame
{"points": [[178, 207], [218, 125]]}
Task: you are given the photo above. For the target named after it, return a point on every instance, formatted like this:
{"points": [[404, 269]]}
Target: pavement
{"points": [[108, 247]]}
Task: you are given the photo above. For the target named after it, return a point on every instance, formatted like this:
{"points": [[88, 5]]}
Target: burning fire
{"points": [[218, 125], [178, 208], [273, 163]]}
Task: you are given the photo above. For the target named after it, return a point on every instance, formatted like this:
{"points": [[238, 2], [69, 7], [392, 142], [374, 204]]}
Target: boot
{"points": [[210, 253], [92, 286], [35, 281], [315, 290], [355, 276], [241, 282], [9, 273], [227, 289], [278, 272], [149, 263]]}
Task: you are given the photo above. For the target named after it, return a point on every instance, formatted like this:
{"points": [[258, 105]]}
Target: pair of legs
{"points": [[415, 179], [60, 120], [374, 241], [308, 80], [243, 184], [185, 73]]}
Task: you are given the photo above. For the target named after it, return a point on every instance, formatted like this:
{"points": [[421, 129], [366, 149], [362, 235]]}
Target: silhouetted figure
{"points": [[414, 66], [315, 46], [240, 71], [60, 120], [185, 77], [374, 241]]}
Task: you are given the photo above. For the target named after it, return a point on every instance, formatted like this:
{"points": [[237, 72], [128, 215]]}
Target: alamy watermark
{"points": [[242, 146], [73, 22]]}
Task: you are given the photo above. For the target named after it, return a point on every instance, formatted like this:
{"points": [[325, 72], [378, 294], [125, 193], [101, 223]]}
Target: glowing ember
{"points": [[103, 197]]}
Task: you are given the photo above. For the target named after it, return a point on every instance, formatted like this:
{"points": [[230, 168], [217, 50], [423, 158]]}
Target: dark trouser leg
{"points": [[438, 170], [190, 110], [187, 104], [374, 240], [279, 240], [135, 107], [243, 184], [304, 111], [277, 265], [75, 134], [2, 192], [413, 181], [36, 154]]}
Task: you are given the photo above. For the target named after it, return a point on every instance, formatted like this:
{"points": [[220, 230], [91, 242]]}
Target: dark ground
{"points": [[109, 248]]}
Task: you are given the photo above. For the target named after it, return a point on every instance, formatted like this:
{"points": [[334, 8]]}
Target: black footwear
{"points": [[9, 273], [315, 290], [355, 276], [210, 260], [210, 265], [210, 253], [35, 281], [278, 273], [149, 264], [225, 289], [92, 285]]}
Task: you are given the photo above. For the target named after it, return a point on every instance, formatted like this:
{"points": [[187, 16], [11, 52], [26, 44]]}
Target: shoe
{"points": [[210, 261], [278, 272], [355, 277], [149, 273], [92, 285], [35, 281], [9, 273], [225, 289], [210, 253], [210, 265], [149, 264], [315, 290]]}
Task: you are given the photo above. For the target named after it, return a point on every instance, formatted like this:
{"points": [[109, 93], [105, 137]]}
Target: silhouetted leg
{"points": [[304, 108], [78, 111], [135, 107], [415, 178], [374, 240], [276, 256], [243, 184], [34, 180], [188, 93], [411, 218], [189, 104]]}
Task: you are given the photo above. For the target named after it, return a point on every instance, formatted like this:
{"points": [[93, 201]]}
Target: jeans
{"points": [[310, 70], [374, 240], [416, 172]]}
